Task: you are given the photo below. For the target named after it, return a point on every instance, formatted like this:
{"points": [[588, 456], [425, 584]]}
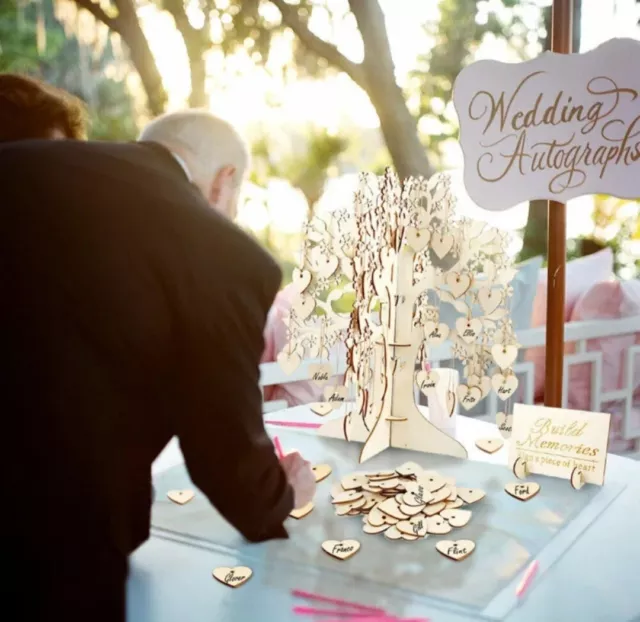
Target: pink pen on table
{"points": [[376, 611], [360, 616], [527, 579], [294, 424], [278, 446]]}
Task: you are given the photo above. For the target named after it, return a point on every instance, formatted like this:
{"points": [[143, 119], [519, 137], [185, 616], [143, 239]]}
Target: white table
{"points": [[596, 580]]}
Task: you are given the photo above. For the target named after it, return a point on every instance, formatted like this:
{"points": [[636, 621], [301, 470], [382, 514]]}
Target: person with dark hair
{"points": [[30, 108]]}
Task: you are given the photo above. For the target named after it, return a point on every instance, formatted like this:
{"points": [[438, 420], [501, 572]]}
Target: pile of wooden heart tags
{"points": [[408, 504]]}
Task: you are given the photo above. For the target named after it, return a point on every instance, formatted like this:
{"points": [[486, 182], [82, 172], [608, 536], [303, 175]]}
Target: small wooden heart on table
{"points": [[416, 526], [301, 512], [353, 482], [489, 445], [456, 550], [233, 577], [522, 491], [346, 496], [341, 549], [301, 279], [437, 525], [181, 496], [456, 518], [505, 424], [470, 495], [321, 471], [321, 408]]}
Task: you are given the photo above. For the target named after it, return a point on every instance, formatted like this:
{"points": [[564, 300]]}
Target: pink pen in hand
{"points": [[527, 579], [278, 446]]}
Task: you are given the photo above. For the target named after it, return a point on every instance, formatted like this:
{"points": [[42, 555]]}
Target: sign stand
{"points": [[561, 43]]}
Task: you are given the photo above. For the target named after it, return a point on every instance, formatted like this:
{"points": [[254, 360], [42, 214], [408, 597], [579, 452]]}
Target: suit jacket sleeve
{"points": [[220, 426]]}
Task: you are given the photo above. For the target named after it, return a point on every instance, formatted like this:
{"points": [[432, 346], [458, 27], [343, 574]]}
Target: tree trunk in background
{"points": [[397, 124], [197, 41], [127, 25], [534, 241]]}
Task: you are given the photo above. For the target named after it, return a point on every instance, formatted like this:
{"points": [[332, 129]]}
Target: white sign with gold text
{"points": [[556, 127], [554, 441]]}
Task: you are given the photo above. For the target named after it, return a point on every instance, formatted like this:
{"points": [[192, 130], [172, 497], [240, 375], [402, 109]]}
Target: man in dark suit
{"points": [[131, 312]]}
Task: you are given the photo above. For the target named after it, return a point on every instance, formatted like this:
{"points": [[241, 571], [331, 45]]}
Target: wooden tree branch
{"points": [[319, 46], [99, 13]]}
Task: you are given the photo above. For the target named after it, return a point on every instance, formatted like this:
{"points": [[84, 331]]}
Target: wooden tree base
{"points": [[415, 433]]}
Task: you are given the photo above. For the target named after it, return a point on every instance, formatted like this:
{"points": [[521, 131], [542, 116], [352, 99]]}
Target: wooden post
{"points": [[561, 43]]}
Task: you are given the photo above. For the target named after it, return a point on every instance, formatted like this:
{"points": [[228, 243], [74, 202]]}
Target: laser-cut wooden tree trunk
{"points": [[405, 250]]}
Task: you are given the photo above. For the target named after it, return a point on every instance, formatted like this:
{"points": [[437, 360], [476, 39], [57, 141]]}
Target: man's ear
{"points": [[221, 188]]}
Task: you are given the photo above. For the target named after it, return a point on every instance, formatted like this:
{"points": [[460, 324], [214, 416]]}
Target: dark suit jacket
{"points": [[130, 312]]}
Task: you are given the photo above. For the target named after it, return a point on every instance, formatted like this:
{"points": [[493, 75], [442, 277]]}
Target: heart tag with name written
{"points": [[233, 577], [341, 549], [522, 491], [435, 334], [468, 330], [468, 396], [335, 395], [505, 424], [320, 373], [456, 550], [427, 381], [181, 496], [504, 386]]}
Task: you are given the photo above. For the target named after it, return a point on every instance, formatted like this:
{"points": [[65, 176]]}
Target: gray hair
{"points": [[205, 142]]}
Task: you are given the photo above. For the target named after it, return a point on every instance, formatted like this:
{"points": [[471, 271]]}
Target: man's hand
{"points": [[300, 477]]}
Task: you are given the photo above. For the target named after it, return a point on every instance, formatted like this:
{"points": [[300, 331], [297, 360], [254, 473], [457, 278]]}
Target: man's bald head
{"points": [[216, 156]]}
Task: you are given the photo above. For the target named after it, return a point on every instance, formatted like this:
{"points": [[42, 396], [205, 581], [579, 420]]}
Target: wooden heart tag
{"points": [[504, 355], [288, 362], [468, 330], [489, 445], [320, 373], [233, 577], [302, 512], [470, 495], [442, 244], [505, 424], [469, 396], [504, 386], [456, 550], [321, 472], [321, 408], [341, 549], [181, 496], [522, 492], [301, 279], [335, 396], [456, 518], [427, 381]]}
